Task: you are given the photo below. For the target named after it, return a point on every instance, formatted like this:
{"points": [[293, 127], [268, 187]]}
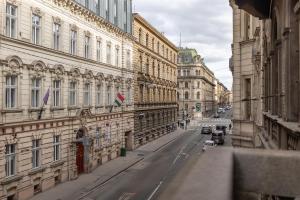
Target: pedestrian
{"points": [[230, 126]]}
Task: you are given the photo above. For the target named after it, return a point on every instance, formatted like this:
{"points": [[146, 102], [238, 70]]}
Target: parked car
{"points": [[218, 137], [208, 144], [206, 130], [221, 128], [216, 116]]}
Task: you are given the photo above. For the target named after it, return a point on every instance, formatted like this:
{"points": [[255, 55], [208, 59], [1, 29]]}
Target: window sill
{"points": [[87, 107], [99, 106], [36, 170], [73, 108], [11, 179], [108, 106], [14, 110], [56, 108], [36, 109], [127, 105], [57, 163]]}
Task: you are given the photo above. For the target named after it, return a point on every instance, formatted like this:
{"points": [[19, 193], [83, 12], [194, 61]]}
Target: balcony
{"points": [[257, 8], [241, 174]]}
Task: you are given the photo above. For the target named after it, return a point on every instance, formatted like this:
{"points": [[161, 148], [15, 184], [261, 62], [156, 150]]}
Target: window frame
{"points": [[99, 50], [36, 153], [56, 36], [73, 42], [9, 104], [56, 148], [73, 93], [87, 47], [57, 95], [87, 94], [36, 29], [9, 18], [36, 92], [10, 160]]}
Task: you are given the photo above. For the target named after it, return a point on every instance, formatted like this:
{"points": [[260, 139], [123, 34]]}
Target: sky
{"points": [[205, 25]]}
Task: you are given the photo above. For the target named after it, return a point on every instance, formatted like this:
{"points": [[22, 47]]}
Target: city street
{"points": [[150, 178]]}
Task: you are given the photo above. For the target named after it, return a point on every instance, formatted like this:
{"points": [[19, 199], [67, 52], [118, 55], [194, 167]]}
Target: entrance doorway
{"points": [[80, 158], [128, 140]]}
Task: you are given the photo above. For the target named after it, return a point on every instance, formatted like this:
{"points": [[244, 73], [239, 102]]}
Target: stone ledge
{"points": [[57, 163], [15, 110], [11, 179], [36, 170]]}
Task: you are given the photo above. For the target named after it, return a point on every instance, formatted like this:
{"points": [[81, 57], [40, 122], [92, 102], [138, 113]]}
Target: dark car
{"points": [[206, 130], [216, 116], [221, 128], [218, 137]]}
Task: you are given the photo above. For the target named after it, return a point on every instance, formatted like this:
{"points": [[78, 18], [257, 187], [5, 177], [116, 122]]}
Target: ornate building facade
{"points": [[274, 38], [62, 65], [155, 59], [196, 85]]}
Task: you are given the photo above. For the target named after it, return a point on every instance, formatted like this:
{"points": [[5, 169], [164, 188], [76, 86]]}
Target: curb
{"points": [[108, 179]]}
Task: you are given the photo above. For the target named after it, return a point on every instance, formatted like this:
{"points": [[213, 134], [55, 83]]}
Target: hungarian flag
{"points": [[119, 99], [46, 97]]}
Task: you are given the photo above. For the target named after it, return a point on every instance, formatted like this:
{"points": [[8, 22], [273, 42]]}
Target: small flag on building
{"points": [[118, 101], [46, 97]]}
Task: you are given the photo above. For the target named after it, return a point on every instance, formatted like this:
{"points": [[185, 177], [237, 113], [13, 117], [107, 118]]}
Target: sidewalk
{"points": [[76, 188]]}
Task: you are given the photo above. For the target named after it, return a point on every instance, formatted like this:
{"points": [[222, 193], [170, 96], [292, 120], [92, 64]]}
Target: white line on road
{"points": [[155, 190]]}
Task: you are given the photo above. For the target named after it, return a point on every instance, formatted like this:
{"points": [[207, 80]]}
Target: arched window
{"points": [[186, 84], [198, 95], [186, 95]]}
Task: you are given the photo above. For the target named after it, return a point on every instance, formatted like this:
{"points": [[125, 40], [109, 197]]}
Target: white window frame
{"points": [[108, 53], [87, 94], [36, 153], [108, 95], [11, 21], [87, 47], [11, 91], [10, 158], [56, 36], [36, 29], [99, 92], [128, 59], [72, 93], [73, 42], [35, 92], [99, 51], [128, 98], [56, 147], [117, 57], [56, 91]]}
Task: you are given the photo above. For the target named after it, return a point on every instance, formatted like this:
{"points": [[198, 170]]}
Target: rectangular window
{"points": [[108, 95], [56, 93], [125, 16], [99, 95], [35, 92], [108, 54], [128, 99], [87, 3], [98, 137], [128, 59], [56, 147], [87, 47], [116, 12], [36, 153], [107, 10], [10, 158], [117, 62], [248, 98], [99, 51], [73, 42], [11, 92], [56, 36], [87, 94], [11, 21], [73, 93], [36, 29]]}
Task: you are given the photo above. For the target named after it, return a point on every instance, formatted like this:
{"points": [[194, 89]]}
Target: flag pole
{"points": [[41, 111]]}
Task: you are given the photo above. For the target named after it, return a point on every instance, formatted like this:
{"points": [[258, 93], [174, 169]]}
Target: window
{"points": [[198, 95], [35, 92], [36, 29], [87, 94], [36, 153], [108, 95], [157, 46], [107, 10], [87, 47], [140, 36], [116, 12], [56, 35], [198, 84], [248, 98], [179, 73], [108, 53], [11, 21], [73, 42], [147, 66], [186, 95], [128, 59], [99, 95], [186, 84], [141, 93], [147, 40], [141, 63], [158, 71], [10, 158], [117, 57], [72, 93], [56, 147], [125, 15], [98, 135], [56, 93], [99, 52], [11, 92], [153, 44], [128, 97]]}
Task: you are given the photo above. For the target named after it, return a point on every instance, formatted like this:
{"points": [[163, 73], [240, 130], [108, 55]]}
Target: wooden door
{"points": [[80, 158]]}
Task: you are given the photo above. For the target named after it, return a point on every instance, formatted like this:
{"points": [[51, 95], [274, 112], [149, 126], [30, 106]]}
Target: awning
{"points": [[257, 8]]}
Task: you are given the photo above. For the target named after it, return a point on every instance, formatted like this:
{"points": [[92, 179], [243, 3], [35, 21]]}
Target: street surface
{"points": [[153, 177]]}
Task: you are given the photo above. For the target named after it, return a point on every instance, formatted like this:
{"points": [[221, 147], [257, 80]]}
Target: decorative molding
{"points": [[88, 74], [73, 27], [57, 20], [36, 11], [87, 33]]}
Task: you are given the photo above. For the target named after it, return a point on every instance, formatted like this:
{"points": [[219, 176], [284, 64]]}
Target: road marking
{"points": [[155, 190], [126, 196]]}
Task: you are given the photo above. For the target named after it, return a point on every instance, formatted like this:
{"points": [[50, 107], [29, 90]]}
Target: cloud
{"points": [[205, 25]]}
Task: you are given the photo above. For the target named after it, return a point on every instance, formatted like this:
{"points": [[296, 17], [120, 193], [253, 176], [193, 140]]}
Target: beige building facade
{"points": [[196, 86], [61, 54], [276, 61], [155, 64]]}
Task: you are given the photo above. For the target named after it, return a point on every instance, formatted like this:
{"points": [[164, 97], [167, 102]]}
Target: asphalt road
{"points": [[153, 177]]}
